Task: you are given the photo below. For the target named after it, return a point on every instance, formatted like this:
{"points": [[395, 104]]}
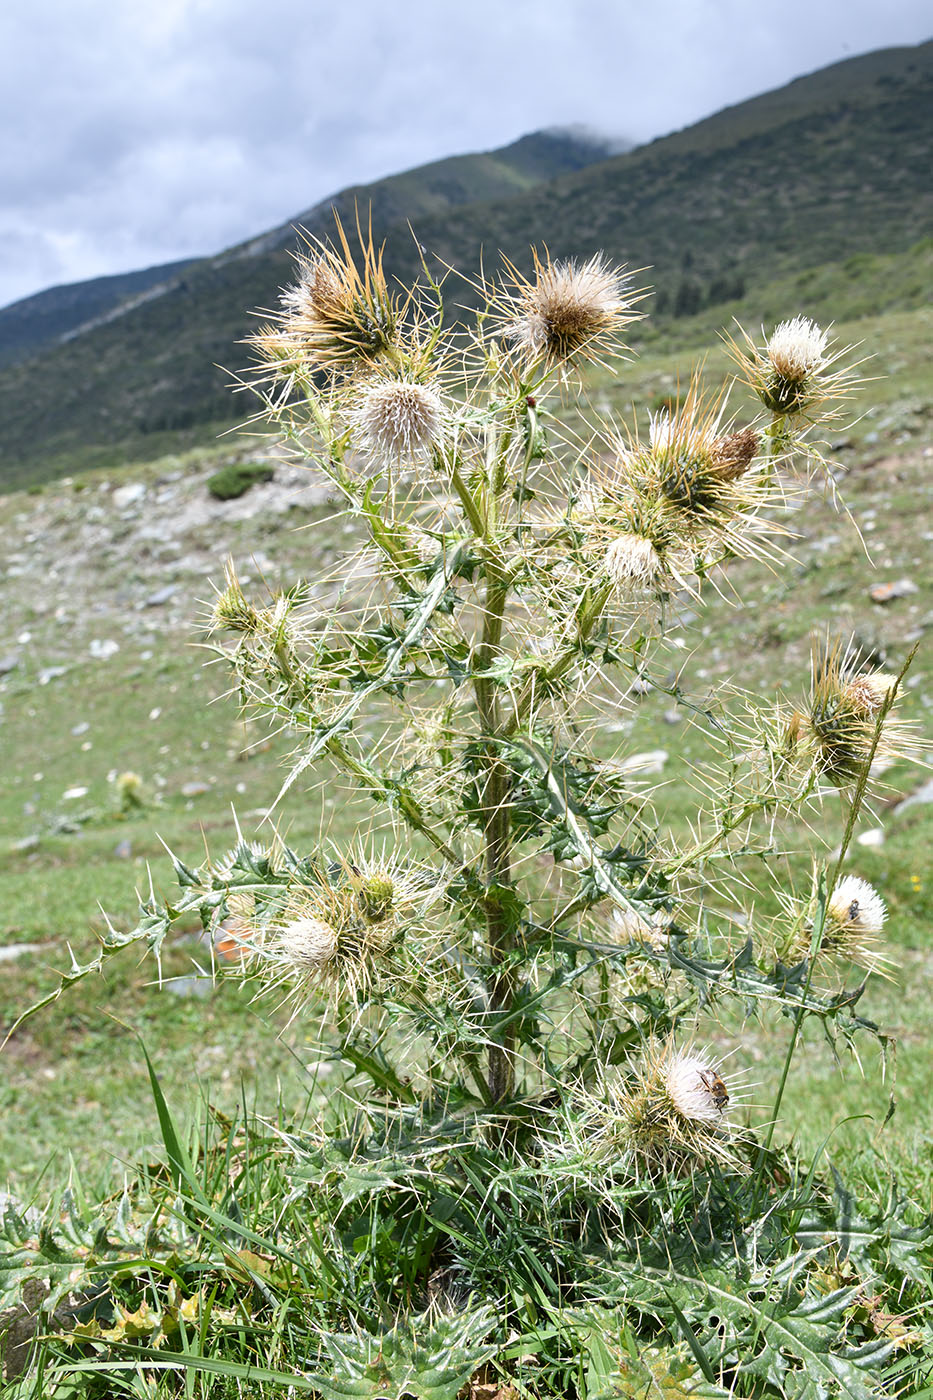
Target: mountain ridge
{"points": [[802, 177], [52, 315]]}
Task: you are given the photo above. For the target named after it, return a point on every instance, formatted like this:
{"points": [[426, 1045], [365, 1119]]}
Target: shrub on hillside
{"points": [[236, 478]]}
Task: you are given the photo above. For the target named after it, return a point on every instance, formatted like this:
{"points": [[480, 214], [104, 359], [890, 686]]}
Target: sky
{"points": [[136, 132]]}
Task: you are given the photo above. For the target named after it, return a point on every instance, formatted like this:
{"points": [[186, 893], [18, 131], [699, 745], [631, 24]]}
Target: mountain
{"points": [[829, 171], [37, 321], [50, 317]]}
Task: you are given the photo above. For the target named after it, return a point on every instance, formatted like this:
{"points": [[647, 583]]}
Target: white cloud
{"points": [[139, 132]]}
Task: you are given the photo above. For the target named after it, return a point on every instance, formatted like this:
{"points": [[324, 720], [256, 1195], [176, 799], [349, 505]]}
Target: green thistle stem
{"points": [[497, 837], [826, 887]]}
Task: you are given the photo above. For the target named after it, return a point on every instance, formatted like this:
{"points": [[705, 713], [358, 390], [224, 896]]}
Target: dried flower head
{"points": [[337, 315], [400, 420], [734, 453], [845, 708], [868, 691], [567, 311]]}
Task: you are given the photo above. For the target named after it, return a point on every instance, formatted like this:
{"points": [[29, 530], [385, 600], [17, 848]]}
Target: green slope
{"points": [[35, 322], [829, 169]]}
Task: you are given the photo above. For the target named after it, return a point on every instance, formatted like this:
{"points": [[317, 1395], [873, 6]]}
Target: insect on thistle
{"points": [[715, 1088]]}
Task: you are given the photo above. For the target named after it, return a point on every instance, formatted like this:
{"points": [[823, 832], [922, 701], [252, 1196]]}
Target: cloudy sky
{"points": [[134, 132]]}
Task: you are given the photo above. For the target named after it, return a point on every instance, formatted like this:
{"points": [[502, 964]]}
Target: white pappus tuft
{"points": [[855, 907], [695, 1087], [797, 348], [399, 419]]}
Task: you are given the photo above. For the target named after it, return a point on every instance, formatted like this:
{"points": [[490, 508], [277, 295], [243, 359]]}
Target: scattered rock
{"points": [[189, 986], [20, 950], [123, 850], [921, 797], [9, 663], [872, 838], [128, 495], [103, 648], [672, 716], [161, 596], [887, 592], [26, 843], [80, 729], [73, 793], [51, 673], [194, 789]]}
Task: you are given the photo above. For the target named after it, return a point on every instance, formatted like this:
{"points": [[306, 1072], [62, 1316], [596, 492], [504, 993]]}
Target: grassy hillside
{"points": [[795, 184]]}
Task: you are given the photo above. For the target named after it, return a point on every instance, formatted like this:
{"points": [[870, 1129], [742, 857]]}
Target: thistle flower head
{"points": [[796, 349], [668, 1114], [400, 419], [629, 927], [854, 908], [679, 502], [308, 944], [845, 707], [231, 610], [855, 917], [633, 562], [337, 315], [389, 890], [702, 474], [695, 1088], [734, 453], [567, 310], [868, 691], [793, 373], [321, 937]]}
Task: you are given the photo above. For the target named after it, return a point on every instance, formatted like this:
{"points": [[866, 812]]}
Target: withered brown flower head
{"points": [[568, 310], [337, 315], [733, 454]]}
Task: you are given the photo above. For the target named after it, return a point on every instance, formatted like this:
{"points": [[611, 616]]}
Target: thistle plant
{"points": [[517, 956]]}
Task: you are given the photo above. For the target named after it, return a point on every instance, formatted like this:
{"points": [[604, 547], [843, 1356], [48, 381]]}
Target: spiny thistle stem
{"points": [[369, 779], [825, 888], [497, 834]]}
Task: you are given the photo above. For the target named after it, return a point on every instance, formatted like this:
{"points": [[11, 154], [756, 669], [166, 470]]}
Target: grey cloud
{"points": [[138, 132]]}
